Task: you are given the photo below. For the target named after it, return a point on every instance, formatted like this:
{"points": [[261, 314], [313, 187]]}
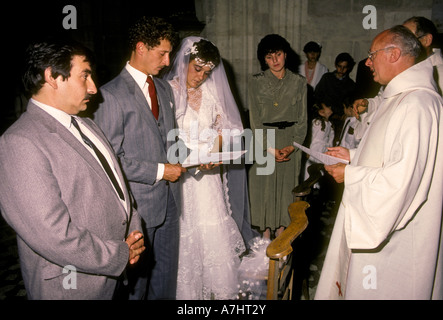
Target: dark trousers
{"points": [[154, 277]]}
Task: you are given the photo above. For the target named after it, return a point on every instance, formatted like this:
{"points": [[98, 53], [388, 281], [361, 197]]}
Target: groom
{"points": [[136, 115]]}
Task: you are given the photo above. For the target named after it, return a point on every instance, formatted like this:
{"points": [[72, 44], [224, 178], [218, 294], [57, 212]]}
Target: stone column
{"points": [[237, 26]]}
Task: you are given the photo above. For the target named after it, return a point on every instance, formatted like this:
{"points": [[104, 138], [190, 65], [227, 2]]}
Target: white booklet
{"points": [[323, 158], [197, 158]]}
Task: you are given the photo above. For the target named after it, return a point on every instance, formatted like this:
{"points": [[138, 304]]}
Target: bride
{"points": [[210, 241]]}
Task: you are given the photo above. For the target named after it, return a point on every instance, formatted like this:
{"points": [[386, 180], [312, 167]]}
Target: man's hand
{"points": [[359, 106], [173, 172], [337, 171], [136, 246]]}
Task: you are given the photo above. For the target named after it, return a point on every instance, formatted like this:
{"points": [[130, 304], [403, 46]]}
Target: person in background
{"points": [[312, 69], [322, 135], [334, 87], [62, 189], [426, 32], [348, 138], [277, 102], [136, 114]]}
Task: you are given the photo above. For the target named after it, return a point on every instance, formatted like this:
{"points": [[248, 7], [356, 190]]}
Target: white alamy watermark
{"points": [[70, 281], [370, 280], [70, 20], [370, 21]]}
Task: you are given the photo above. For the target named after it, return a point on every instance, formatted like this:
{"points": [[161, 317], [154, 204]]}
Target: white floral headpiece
{"points": [[193, 50]]}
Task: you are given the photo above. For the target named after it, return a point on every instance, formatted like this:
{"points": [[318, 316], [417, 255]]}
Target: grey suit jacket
{"points": [[65, 212], [139, 140]]}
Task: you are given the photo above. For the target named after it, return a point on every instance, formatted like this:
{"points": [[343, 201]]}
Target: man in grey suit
{"points": [[139, 139], [72, 218]]}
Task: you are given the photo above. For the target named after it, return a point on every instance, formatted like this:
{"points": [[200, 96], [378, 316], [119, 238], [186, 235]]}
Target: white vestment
{"points": [[387, 238]]}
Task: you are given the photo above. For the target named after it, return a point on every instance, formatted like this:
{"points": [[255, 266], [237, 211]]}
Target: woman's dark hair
{"points": [[344, 56], [207, 52], [270, 44], [312, 46], [151, 31], [54, 54], [317, 107]]}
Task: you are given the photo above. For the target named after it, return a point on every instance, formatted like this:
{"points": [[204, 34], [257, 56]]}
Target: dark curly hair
{"points": [[206, 51], [55, 54], [344, 56], [316, 108], [150, 31], [270, 44]]}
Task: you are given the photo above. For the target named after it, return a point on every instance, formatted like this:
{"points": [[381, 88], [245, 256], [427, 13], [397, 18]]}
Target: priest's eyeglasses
{"points": [[371, 55]]}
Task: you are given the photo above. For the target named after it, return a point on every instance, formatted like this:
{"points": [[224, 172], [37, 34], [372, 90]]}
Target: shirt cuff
{"points": [[160, 171]]}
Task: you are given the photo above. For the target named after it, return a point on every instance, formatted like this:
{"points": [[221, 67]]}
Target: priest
{"points": [[387, 238]]}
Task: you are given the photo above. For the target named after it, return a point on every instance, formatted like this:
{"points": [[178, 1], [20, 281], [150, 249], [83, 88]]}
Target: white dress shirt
{"points": [[140, 79]]}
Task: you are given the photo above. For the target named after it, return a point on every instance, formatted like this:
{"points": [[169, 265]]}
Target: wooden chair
{"points": [[281, 273]]}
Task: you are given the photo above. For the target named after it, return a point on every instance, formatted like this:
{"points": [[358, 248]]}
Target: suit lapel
{"points": [[141, 103], [167, 114], [56, 128]]}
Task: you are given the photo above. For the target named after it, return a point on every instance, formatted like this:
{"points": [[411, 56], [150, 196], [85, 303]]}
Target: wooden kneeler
{"points": [[281, 272]]}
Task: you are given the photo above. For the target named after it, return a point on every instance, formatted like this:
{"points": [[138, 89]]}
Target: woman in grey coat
{"points": [[278, 106]]}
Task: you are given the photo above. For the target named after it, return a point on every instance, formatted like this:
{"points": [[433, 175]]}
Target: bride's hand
{"points": [[209, 166]]}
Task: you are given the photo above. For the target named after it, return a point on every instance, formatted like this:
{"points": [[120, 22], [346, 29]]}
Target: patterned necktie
{"points": [[153, 95], [102, 159]]}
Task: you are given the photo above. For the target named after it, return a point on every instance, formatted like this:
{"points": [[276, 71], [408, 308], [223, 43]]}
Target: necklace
{"points": [[277, 85]]}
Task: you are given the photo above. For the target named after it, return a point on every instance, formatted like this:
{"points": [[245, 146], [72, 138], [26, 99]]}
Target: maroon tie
{"points": [[153, 95]]}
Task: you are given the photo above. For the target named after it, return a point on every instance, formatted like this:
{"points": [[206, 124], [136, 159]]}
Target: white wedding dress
{"points": [[210, 242]]}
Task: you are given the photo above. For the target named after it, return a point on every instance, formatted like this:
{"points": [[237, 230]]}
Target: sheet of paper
{"points": [[323, 158], [197, 158]]}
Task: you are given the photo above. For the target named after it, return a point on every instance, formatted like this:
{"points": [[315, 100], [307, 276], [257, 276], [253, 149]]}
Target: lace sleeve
{"points": [[219, 119]]}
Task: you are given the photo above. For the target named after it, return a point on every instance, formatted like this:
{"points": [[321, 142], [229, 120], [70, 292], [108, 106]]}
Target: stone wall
{"points": [[236, 27]]}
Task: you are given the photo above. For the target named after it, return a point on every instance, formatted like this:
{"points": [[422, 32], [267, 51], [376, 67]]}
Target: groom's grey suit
{"points": [[140, 142]]}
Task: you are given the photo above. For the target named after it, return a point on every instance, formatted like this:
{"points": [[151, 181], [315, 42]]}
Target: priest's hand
{"points": [[339, 152], [337, 171], [136, 246], [360, 106]]}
